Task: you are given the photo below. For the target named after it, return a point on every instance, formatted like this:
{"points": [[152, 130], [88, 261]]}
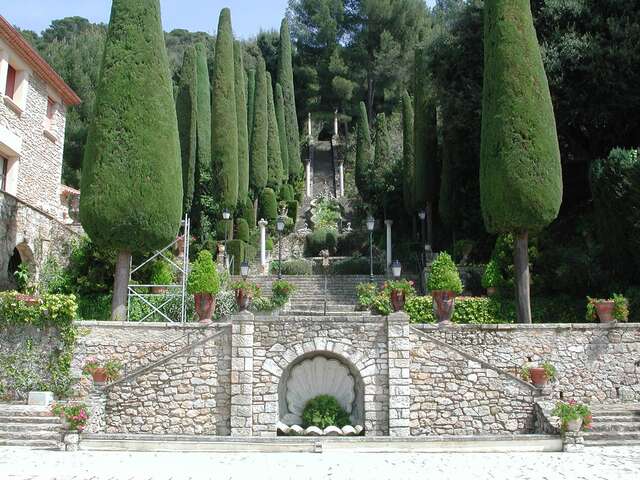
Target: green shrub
{"points": [[281, 290], [250, 253], [324, 411], [269, 243], [236, 250], [357, 266], [321, 239], [298, 266], [94, 307], [491, 277], [353, 243], [162, 273], [171, 305], [366, 293], [248, 213], [444, 275], [292, 209], [242, 228], [286, 193], [268, 205], [203, 277], [633, 294]]}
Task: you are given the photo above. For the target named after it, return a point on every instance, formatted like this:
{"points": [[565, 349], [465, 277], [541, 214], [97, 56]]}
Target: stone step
{"points": [[24, 411], [616, 418], [611, 443], [4, 419], [30, 435], [22, 427], [33, 444], [599, 426], [317, 313], [616, 414], [618, 436]]}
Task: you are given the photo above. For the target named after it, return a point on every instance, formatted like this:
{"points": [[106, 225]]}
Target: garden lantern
{"points": [[244, 270], [226, 215], [371, 223], [396, 268]]}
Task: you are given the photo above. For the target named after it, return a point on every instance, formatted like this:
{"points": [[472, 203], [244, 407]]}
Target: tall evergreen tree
{"points": [[427, 170], [380, 165], [363, 152], [285, 79], [520, 171], [274, 158], [258, 158], [187, 112], [408, 169], [241, 110], [282, 133], [131, 186], [224, 123], [202, 213], [251, 93]]}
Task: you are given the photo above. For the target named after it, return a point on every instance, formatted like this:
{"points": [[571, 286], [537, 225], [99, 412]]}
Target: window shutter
{"points": [[10, 89]]}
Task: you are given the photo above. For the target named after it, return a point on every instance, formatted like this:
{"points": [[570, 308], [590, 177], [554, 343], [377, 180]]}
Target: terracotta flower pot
{"points": [[159, 290], [180, 245], [443, 305], [397, 300], [28, 299], [538, 376], [205, 306], [605, 311], [99, 375], [574, 425], [491, 291], [243, 299]]}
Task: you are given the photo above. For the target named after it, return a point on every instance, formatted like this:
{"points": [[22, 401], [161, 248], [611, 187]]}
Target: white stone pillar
{"points": [[399, 350], [341, 179], [242, 330], [389, 223], [309, 125], [263, 242], [308, 176], [335, 123]]}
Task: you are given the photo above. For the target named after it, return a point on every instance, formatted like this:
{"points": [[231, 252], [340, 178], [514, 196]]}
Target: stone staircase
{"points": [[29, 426], [614, 425]]}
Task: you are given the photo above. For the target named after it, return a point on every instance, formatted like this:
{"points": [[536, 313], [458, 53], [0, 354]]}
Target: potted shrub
{"points": [[538, 375], [108, 372], [444, 284], [491, 278], [281, 290], [161, 275], [74, 415], [204, 283], [245, 292], [615, 309], [573, 416], [399, 291]]}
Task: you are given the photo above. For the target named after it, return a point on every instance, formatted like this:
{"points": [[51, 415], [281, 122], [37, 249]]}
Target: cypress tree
{"points": [[224, 125], [520, 171], [407, 155], [203, 197], [187, 112], [258, 158], [268, 205], [285, 79], [381, 160], [363, 152], [274, 158], [427, 170], [241, 109], [251, 91], [132, 180], [282, 133]]}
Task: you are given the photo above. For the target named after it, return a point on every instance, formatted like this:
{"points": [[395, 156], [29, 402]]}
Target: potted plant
{"points": [[491, 278], [161, 276], [281, 290], [399, 291], [608, 310], [573, 416], [74, 415], [92, 368], [112, 370], [444, 284], [538, 375], [245, 292], [204, 284]]}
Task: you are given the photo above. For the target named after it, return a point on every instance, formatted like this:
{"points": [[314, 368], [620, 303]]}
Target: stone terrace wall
{"points": [[596, 362]]}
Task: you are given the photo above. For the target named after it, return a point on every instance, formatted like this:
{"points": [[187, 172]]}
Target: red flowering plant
{"points": [[75, 414], [405, 286], [571, 411]]}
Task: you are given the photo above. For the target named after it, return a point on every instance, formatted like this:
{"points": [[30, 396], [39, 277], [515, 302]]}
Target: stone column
{"points": [[309, 125], [263, 243], [242, 328], [341, 178], [335, 123], [308, 173], [389, 223], [399, 349]]}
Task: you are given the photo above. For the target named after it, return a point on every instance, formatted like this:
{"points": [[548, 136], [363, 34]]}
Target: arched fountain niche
{"points": [[320, 373]]}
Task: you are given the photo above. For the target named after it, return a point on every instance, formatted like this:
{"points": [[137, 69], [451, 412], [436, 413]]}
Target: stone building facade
{"points": [[33, 107], [232, 378]]}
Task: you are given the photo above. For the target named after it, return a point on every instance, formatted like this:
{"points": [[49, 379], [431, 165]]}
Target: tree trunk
{"points": [[521, 263], [120, 287], [430, 225]]}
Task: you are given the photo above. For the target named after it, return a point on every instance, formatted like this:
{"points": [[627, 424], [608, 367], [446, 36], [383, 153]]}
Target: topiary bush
{"points": [[292, 209], [298, 266], [203, 275], [357, 266], [324, 411], [321, 239], [242, 229], [236, 250], [162, 273], [286, 193], [444, 275], [268, 205]]}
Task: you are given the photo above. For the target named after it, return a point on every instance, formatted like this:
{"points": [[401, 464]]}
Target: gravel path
{"points": [[609, 464]]}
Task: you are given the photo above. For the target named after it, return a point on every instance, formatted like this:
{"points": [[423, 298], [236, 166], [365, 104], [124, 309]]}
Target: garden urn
{"points": [[574, 425], [99, 375], [443, 305], [397, 300], [243, 299], [538, 376], [205, 306], [605, 311]]}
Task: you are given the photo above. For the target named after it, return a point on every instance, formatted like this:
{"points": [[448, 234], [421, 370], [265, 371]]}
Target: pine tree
{"points": [[408, 167], [201, 213], [243, 140], [258, 158], [363, 152], [282, 133], [285, 79], [251, 93], [187, 112], [224, 123], [131, 186], [520, 171], [274, 158]]}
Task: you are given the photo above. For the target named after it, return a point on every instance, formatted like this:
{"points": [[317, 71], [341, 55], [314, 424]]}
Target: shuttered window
{"points": [[10, 89], [4, 165]]}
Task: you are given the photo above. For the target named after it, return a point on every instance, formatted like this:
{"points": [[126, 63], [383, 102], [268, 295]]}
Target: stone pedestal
{"points": [[399, 374], [43, 399], [71, 441], [389, 223], [572, 442], [242, 330]]}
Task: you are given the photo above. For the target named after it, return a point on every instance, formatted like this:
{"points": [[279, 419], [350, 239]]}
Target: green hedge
{"points": [[236, 249], [292, 210], [298, 266], [322, 239], [242, 230], [268, 205], [94, 307], [357, 266], [286, 193]]}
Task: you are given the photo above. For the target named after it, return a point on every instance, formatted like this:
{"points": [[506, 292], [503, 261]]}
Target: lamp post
{"points": [[371, 223], [226, 215], [280, 228], [244, 270]]}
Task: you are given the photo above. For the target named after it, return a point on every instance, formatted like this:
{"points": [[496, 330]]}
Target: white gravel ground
{"points": [[595, 463]]}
